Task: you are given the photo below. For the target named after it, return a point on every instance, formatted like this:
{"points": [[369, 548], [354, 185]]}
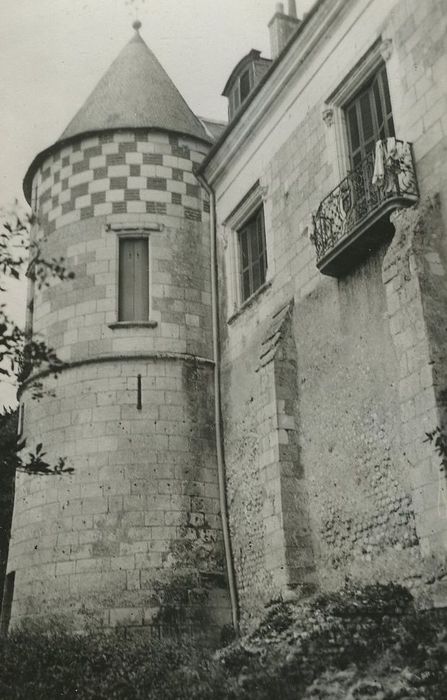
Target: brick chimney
{"points": [[282, 26]]}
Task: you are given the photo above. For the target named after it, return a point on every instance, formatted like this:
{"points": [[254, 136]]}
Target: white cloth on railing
{"points": [[392, 150], [399, 151], [379, 165], [393, 165], [386, 152]]}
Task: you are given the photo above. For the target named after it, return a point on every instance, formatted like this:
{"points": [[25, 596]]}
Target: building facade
{"points": [[319, 350], [333, 297]]}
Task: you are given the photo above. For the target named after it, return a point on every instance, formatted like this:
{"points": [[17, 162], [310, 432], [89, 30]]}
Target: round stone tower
{"points": [[133, 536]]}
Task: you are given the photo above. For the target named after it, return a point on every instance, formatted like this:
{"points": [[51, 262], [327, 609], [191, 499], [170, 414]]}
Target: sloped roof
{"points": [[253, 56], [213, 127], [135, 93]]}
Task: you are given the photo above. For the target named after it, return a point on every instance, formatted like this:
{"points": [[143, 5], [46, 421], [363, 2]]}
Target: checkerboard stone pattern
{"points": [[75, 204], [118, 173]]}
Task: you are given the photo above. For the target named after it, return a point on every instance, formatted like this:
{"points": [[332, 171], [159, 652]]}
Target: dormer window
{"points": [[244, 78]]}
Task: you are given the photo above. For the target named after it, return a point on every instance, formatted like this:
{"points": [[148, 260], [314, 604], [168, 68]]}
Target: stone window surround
{"points": [[333, 110], [255, 198], [133, 231]]}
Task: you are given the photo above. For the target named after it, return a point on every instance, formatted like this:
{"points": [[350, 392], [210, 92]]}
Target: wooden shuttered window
{"points": [[253, 254], [133, 302], [369, 117]]}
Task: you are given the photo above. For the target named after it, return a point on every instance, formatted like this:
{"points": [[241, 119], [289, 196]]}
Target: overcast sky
{"points": [[53, 52]]}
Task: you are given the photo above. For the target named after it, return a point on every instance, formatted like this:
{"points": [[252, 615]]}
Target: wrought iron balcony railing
{"points": [[357, 204]]}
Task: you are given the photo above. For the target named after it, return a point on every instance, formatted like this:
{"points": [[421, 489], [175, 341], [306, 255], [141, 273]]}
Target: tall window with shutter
{"points": [[133, 297]]}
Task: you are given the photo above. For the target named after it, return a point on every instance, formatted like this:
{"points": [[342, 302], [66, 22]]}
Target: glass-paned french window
{"points": [[253, 256], [133, 301], [369, 118]]}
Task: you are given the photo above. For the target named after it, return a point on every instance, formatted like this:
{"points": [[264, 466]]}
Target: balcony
{"points": [[353, 219]]}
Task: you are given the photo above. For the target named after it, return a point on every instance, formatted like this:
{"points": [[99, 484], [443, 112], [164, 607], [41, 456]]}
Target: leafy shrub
{"points": [[367, 642], [35, 666]]}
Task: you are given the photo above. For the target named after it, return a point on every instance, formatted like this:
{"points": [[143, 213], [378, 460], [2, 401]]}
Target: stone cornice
{"points": [[117, 357]]}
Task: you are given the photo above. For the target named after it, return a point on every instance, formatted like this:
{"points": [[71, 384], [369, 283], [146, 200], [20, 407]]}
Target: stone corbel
{"points": [[264, 192], [328, 116], [386, 49]]}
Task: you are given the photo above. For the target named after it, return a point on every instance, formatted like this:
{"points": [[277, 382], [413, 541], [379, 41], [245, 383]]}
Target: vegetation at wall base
{"points": [[368, 642]]}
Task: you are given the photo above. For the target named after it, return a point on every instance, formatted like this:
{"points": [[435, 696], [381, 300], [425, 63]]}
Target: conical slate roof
{"points": [[135, 93]]}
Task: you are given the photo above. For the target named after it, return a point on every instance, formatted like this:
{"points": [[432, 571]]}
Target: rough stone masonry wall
{"points": [[133, 536], [266, 491], [350, 434], [363, 399], [414, 275]]}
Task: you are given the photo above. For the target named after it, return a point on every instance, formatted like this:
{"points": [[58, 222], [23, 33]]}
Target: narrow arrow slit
{"points": [[139, 404]]}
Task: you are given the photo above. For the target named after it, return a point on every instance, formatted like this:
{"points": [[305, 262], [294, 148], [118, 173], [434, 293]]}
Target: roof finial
{"points": [[136, 6]]}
